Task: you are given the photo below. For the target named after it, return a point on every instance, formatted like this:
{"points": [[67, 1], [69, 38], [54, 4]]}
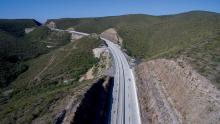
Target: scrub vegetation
{"points": [[48, 79], [40, 68], [147, 36], [194, 34], [17, 47]]}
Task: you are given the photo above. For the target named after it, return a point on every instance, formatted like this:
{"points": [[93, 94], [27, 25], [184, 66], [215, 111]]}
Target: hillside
{"points": [[147, 37], [171, 91], [49, 84], [178, 69], [16, 26], [143, 33], [43, 74], [16, 46]]}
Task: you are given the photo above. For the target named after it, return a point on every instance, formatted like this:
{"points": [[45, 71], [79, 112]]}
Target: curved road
{"points": [[125, 106]]}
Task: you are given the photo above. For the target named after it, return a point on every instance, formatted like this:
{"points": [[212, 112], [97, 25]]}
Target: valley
{"points": [[125, 69]]}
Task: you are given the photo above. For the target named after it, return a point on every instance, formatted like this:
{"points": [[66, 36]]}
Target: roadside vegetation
{"points": [[49, 79]]}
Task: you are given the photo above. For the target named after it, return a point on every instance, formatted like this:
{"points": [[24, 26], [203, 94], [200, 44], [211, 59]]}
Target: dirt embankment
{"points": [[112, 35], [171, 92]]}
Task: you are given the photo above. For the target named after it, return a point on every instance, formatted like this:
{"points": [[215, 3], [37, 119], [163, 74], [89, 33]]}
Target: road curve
{"points": [[125, 107]]}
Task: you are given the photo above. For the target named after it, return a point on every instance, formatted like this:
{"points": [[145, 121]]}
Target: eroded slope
{"points": [[172, 92]]}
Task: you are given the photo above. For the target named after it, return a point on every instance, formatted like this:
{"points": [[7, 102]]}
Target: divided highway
{"points": [[125, 106]]}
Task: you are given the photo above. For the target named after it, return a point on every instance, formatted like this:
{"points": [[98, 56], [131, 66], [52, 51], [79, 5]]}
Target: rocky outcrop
{"points": [[103, 66], [99, 51], [171, 92]]}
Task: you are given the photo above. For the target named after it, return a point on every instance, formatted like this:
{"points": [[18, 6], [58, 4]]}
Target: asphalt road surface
{"points": [[125, 107], [70, 31]]}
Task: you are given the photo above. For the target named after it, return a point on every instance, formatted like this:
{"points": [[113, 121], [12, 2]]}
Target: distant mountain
{"points": [[16, 26], [145, 35]]}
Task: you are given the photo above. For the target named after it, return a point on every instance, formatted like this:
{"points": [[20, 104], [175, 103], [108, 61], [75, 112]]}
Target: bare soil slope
{"points": [[172, 92], [112, 35]]}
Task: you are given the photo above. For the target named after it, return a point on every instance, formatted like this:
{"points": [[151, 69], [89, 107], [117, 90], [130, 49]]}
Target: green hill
{"points": [[147, 37], [49, 80], [34, 77], [16, 26], [16, 46]]}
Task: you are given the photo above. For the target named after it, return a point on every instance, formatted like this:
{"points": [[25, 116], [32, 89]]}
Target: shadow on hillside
{"points": [[95, 107]]}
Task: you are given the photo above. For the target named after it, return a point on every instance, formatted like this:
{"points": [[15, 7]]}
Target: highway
{"points": [[70, 31], [125, 107]]}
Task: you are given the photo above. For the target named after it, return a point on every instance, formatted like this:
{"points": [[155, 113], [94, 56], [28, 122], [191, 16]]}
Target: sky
{"points": [[42, 10]]}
